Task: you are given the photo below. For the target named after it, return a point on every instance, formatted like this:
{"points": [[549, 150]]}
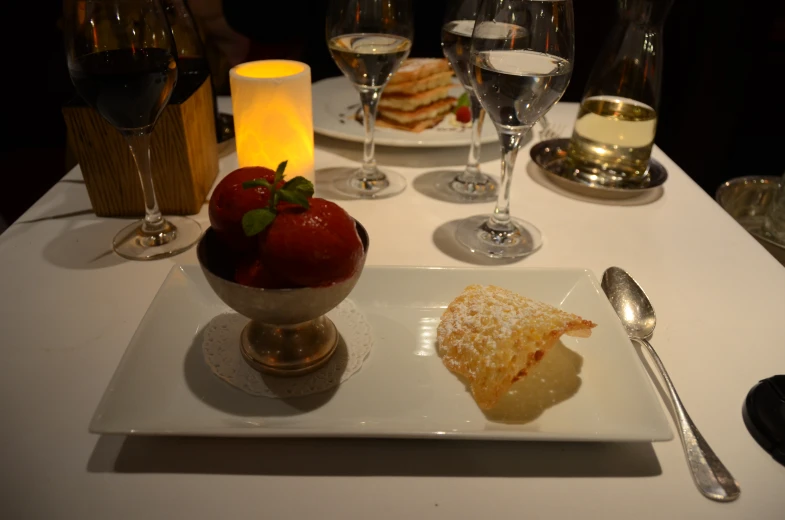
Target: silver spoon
{"points": [[637, 315]]}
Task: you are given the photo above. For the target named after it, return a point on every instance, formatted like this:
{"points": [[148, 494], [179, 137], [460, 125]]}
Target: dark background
{"points": [[721, 112]]}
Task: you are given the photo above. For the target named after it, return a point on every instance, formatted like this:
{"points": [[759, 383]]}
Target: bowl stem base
{"points": [[288, 350]]}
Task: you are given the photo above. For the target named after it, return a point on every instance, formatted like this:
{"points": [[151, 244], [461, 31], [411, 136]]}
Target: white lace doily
{"points": [[221, 350]]}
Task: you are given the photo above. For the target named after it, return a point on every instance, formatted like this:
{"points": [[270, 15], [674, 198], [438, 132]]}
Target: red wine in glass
{"points": [[128, 87]]}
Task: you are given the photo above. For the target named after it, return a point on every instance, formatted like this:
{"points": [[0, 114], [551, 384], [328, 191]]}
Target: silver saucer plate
{"points": [[551, 156]]}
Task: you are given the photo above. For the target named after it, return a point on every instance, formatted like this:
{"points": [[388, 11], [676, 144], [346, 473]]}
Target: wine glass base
{"points": [[485, 190], [177, 235], [476, 233], [352, 184], [443, 185], [450, 185]]}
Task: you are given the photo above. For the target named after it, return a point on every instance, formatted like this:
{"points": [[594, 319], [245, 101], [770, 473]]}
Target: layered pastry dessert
{"points": [[417, 96]]}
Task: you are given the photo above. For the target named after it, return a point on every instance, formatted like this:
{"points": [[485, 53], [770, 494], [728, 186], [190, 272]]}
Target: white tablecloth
{"points": [[70, 308]]}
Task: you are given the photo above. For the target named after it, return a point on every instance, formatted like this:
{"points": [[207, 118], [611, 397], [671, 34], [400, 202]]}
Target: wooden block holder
{"points": [[184, 157]]}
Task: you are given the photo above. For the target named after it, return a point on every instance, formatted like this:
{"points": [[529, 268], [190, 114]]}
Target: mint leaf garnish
{"points": [[256, 220], [300, 185], [257, 182], [463, 101], [296, 191], [294, 196], [279, 172]]}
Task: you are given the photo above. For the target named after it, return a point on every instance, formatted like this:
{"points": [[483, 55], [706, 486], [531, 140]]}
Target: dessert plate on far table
{"points": [[596, 389], [336, 102]]}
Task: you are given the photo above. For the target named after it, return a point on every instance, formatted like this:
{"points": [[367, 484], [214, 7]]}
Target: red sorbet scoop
{"points": [[312, 247], [250, 271], [230, 202]]}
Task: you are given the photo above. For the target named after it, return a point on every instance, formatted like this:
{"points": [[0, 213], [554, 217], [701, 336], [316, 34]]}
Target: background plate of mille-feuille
{"points": [[583, 389], [336, 111]]}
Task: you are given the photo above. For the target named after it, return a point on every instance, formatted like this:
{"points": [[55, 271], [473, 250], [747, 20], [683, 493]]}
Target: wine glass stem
{"points": [[369, 97], [472, 172], [139, 144], [510, 144]]}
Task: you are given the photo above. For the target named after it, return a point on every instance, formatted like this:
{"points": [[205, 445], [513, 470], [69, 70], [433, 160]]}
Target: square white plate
{"points": [[163, 386]]}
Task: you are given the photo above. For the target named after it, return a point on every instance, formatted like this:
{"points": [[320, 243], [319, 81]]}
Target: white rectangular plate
{"points": [[163, 387]]}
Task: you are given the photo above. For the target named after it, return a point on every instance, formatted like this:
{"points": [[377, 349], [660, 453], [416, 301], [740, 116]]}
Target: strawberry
{"points": [[463, 115]]}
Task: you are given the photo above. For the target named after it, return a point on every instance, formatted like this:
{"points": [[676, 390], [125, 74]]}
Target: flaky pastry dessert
{"points": [[417, 96], [492, 337]]}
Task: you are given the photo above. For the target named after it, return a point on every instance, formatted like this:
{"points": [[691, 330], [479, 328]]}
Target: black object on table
{"points": [[764, 415]]}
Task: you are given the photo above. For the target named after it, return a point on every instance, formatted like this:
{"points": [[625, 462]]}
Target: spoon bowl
{"points": [[630, 303]]}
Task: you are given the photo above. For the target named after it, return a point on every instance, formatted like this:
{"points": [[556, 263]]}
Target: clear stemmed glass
{"points": [[122, 63], [471, 185], [368, 39], [520, 65]]}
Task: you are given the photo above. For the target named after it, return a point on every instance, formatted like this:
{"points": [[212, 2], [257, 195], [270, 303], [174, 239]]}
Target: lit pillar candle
{"points": [[273, 115]]}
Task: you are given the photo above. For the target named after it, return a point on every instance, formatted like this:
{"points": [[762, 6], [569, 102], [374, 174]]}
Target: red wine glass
{"points": [[121, 61]]}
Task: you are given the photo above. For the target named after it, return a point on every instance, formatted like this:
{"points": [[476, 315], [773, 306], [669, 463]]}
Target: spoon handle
{"points": [[711, 476]]}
